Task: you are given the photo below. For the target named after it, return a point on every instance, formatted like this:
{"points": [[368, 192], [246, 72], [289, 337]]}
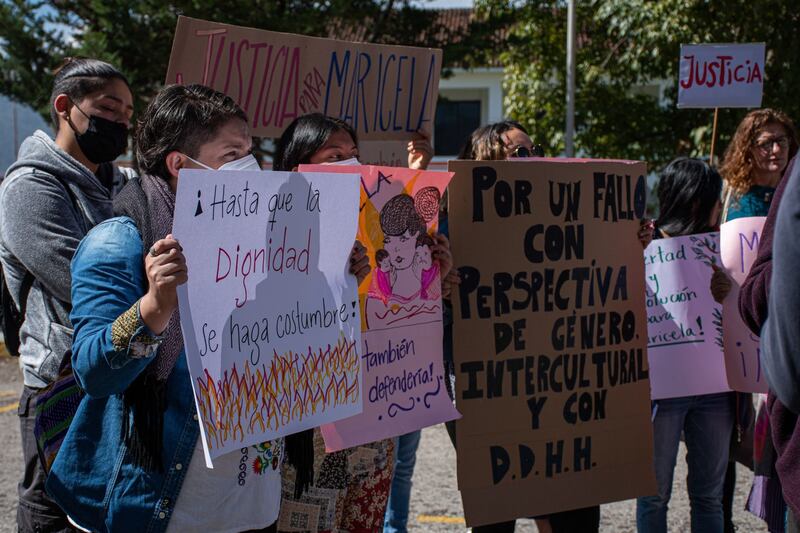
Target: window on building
{"points": [[455, 120]]}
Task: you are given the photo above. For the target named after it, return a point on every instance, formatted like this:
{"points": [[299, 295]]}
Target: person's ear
{"points": [[62, 106], [174, 162]]}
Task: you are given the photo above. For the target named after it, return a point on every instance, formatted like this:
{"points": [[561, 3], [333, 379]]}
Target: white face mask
{"points": [[353, 161], [247, 162]]}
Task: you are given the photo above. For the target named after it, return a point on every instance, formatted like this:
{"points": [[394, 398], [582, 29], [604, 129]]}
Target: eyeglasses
{"points": [[767, 144], [521, 151]]}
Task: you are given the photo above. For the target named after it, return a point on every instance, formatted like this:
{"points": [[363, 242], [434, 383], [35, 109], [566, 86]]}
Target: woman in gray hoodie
{"points": [[54, 193]]}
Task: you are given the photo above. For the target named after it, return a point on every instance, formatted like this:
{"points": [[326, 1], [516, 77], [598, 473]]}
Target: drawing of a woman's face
{"points": [[424, 257], [401, 249]]}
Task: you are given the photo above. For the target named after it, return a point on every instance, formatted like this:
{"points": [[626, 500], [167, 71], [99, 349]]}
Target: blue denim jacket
{"points": [[93, 478]]}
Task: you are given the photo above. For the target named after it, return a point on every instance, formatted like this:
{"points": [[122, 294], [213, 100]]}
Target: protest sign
{"points": [[384, 92], [721, 75], [269, 316], [684, 323], [550, 336], [739, 248], [403, 376], [383, 153]]}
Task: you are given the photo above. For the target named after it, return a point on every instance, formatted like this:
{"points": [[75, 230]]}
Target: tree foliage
{"points": [[625, 49], [136, 35]]}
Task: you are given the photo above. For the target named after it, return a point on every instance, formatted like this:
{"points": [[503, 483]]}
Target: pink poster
{"points": [[684, 323], [739, 241], [403, 381]]}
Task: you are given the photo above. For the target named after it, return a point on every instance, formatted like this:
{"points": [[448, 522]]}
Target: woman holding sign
{"points": [[133, 458], [510, 140], [351, 487], [754, 162], [689, 203]]}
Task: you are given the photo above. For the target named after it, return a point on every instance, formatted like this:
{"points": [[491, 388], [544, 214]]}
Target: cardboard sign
{"points": [[550, 336], [404, 383], [383, 153], [269, 317], [721, 75], [384, 92], [684, 323], [739, 243]]}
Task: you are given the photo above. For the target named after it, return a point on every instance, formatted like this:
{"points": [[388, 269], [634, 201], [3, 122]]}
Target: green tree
{"points": [[136, 35], [624, 46]]}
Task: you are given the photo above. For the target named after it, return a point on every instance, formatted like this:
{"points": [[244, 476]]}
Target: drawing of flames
{"points": [[290, 387]]}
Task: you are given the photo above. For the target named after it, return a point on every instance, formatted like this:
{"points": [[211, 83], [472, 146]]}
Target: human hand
{"points": [[440, 252], [359, 262], [720, 284], [165, 267], [420, 151], [646, 229], [449, 283]]}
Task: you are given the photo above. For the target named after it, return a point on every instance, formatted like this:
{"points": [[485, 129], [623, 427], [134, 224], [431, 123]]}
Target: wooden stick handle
{"points": [[713, 136]]}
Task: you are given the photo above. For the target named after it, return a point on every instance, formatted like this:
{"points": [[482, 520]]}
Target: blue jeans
{"points": [[707, 423], [400, 495]]}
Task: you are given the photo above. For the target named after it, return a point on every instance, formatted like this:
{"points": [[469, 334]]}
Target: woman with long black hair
{"points": [[689, 192]]}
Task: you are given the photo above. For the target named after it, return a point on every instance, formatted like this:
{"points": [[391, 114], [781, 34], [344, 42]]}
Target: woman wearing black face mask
{"points": [[51, 196]]}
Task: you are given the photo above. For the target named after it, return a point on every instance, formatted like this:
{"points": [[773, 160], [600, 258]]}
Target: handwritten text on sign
{"points": [[550, 336], [384, 92], [269, 316], [721, 75], [739, 242], [404, 381], [684, 323]]}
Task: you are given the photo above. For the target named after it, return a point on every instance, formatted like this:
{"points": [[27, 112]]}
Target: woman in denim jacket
{"points": [[132, 459]]}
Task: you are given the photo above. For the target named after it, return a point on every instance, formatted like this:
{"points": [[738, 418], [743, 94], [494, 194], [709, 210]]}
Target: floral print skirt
{"points": [[349, 493]]}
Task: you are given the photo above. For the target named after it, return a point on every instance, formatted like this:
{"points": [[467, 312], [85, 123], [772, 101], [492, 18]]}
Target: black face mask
{"points": [[103, 141]]}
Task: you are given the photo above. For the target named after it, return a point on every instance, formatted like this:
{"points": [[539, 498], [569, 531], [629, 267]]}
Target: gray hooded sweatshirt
{"points": [[41, 225]]}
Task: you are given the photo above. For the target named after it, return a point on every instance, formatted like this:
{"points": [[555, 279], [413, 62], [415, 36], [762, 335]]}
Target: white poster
{"points": [[721, 75], [739, 242], [684, 323], [270, 315]]}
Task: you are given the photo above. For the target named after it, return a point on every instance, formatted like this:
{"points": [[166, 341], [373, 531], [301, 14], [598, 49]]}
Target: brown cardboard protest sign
{"points": [[384, 92], [550, 336]]}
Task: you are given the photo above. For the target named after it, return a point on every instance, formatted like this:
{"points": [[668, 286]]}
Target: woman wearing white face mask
{"points": [[132, 459], [247, 162]]}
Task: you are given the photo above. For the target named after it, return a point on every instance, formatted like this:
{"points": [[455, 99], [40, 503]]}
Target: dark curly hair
{"points": [[182, 118]]}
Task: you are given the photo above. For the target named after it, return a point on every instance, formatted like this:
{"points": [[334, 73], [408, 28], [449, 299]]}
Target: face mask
{"points": [[353, 161], [103, 141], [248, 162]]}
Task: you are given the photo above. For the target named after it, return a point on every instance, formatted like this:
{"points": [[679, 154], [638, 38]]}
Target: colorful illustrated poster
{"points": [[684, 323], [270, 315], [384, 92], [550, 336], [721, 75], [404, 383], [739, 242]]}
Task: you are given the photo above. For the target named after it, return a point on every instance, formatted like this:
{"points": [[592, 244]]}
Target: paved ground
{"points": [[435, 503]]}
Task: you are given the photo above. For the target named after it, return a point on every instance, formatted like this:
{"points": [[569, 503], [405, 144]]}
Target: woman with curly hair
{"points": [[754, 163]]}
